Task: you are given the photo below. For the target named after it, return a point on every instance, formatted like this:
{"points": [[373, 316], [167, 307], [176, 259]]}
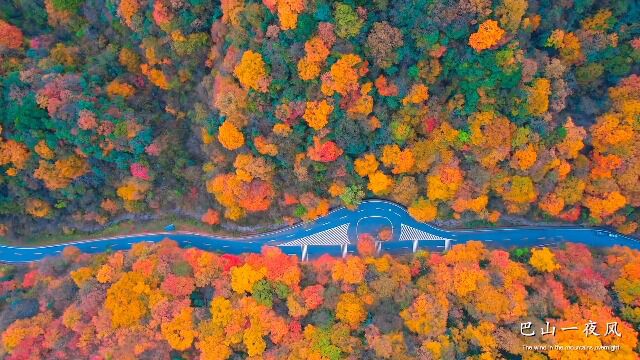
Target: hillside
{"points": [[159, 301], [261, 113]]}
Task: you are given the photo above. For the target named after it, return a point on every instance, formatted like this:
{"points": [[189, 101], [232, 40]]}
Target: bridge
{"points": [[337, 234]]}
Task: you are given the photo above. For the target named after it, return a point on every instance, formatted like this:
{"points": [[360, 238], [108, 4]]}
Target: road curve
{"points": [[336, 233]]}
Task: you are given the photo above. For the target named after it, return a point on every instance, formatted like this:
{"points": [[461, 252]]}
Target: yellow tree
{"points": [[13, 152], [244, 277], [317, 113], [343, 76], [538, 100], [252, 72], [401, 161], [444, 183], [423, 210], [127, 300], [521, 190], [37, 208], [229, 136], [366, 165], [488, 35], [133, 189], [427, 315], [179, 332], [351, 310], [380, 183], [543, 260], [524, 158], [491, 137]]}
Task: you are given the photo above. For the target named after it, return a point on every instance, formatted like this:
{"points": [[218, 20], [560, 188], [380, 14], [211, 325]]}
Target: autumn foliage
{"points": [[466, 112], [10, 36], [488, 35], [159, 298]]}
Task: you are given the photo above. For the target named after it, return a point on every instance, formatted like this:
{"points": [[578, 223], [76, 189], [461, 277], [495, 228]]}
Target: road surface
{"points": [[336, 234]]}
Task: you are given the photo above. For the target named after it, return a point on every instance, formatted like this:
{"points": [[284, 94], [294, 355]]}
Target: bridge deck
{"points": [[331, 237]]}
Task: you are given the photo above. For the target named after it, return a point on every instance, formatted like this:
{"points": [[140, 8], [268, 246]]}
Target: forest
{"points": [[160, 301], [251, 113]]}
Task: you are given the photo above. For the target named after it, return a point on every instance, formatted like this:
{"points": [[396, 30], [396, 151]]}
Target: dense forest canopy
{"points": [[158, 301], [275, 111]]}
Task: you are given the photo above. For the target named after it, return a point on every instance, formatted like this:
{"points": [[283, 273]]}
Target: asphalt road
{"points": [[343, 225]]}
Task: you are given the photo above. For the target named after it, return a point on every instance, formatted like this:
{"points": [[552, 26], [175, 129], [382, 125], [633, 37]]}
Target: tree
{"points": [[488, 35], [211, 217], [37, 208], [384, 87], [265, 147], [349, 271], [317, 113], [491, 137], [418, 94], [249, 167], [552, 204], [366, 245], [568, 45], [133, 189], [605, 205], [229, 136], [538, 100], [401, 160], [161, 14], [343, 76], [366, 165], [444, 183], [15, 153], [427, 315], [543, 260], [156, 76], [117, 88], [316, 50], [178, 286], [350, 310], [256, 195], [571, 145], [348, 23], [179, 332], [288, 11], [313, 296], [252, 339], [252, 72], [405, 190], [423, 210], [524, 158], [60, 174], [521, 190], [383, 40], [127, 300], [10, 36], [231, 11], [231, 100], [324, 151], [511, 13], [244, 278], [379, 183], [86, 121], [307, 69]]}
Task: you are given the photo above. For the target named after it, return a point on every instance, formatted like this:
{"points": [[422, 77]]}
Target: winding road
{"points": [[336, 234]]}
